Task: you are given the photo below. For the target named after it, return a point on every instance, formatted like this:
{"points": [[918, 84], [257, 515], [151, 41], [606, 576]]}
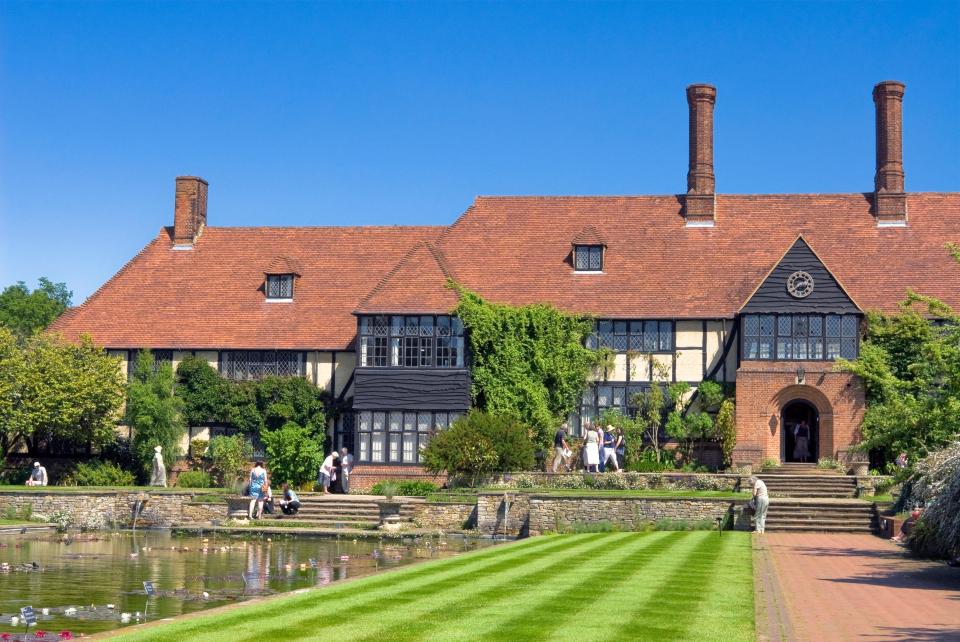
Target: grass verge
{"points": [[654, 586]]}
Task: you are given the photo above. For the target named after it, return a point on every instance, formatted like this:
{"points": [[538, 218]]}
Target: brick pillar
{"points": [[189, 209], [699, 206], [890, 201]]}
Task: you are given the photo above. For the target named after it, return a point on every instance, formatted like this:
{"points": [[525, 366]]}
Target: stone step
{"points": [[821, 529], [331, 524], [831, 510]]}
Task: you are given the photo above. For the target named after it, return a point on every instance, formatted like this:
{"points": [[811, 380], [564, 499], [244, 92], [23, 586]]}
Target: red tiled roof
{"points": [[516, 250], [417, 284], [212, 296], [284, 265], [589, 235]]}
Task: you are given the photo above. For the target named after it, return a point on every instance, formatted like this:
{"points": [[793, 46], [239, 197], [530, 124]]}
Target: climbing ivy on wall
{"points": [[529, 362]]}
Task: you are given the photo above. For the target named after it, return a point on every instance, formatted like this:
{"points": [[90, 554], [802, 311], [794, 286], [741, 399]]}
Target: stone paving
{"points": [[833, 586]]}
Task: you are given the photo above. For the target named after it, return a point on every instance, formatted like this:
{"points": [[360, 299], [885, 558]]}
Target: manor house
{"points": [[761, 290]]}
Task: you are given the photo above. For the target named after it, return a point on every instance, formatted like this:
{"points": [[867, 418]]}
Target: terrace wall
{"points": [[520, 515]]}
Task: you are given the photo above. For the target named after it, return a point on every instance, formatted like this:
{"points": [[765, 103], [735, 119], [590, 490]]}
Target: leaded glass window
{"points": [[424, 341], [279, 286], [249, 365], [800, 336], [397, 436], [588, 258], [641, 336]]}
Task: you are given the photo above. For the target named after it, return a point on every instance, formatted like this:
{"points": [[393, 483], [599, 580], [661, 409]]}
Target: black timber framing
{"points": [[411, 389]]}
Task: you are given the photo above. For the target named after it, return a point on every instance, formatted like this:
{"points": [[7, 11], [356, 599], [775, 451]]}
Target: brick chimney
{"points": [[189, 210], [700, 203], [890, 201]]}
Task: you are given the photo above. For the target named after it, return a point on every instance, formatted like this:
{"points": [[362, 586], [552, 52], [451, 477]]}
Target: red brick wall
{"points": [[764, 388], [364, 476]]}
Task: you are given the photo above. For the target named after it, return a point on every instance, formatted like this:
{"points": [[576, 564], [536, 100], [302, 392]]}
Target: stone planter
{"points": [[861, 469], [389, 513]]}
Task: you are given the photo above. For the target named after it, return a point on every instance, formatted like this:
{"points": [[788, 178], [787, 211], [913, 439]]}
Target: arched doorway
{"points": [[793, 416]]}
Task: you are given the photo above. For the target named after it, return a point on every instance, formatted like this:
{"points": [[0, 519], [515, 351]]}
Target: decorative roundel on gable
{"points": [[800, 284]]}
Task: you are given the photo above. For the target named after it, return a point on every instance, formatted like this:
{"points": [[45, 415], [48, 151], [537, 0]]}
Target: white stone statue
{"points": [[159, 475]]}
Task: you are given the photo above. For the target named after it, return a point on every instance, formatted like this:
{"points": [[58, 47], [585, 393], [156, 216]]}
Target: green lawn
{"points": [[609, 586], [17, 522], [114, 489]]}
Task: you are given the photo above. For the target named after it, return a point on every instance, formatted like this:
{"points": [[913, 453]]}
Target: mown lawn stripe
{"points": [[399, 593], [479, 596], [522, 621], [419, 610], [276, 611], [681, 591]]}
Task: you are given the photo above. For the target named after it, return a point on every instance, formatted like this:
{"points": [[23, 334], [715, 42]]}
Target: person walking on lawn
{"points": [[762, 501], [561, 450], [591, 449]]}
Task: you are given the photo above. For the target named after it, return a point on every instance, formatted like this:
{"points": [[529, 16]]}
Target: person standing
{"points": [[801, 435], [158, 477], [336, 481], [610, 449], [289, 502], [600, 437], [346, 459], [326, 472], [592, 450], [560, 448], [762, 503], [258, 492], [38, 476], [901, 461], [620, 447]]}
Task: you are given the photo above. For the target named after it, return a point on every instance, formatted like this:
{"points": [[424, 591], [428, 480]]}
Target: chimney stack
{"points": [[700, 202], [189, 210], [890, 201]]}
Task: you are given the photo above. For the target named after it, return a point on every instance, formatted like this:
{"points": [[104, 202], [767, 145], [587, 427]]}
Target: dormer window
{"points": [[588, 258], [279, 287]]}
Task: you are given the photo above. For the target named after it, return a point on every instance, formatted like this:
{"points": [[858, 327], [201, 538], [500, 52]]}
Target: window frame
{"points": [[591, 250], [411, 341], [279, 279], [402, 435], [230, 361], [810, 331], [646, 336]]}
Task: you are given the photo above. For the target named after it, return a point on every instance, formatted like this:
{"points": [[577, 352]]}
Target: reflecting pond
{"points": [[89, 582]]}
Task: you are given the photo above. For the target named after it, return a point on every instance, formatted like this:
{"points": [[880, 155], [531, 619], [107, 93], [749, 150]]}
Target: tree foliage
{"points": [[250, 406], [910, 365], [230, 457], [480, 443], [154, 413], [24, 312], [295, 453], [51, 389], [529, 362], [935, 485], [726, 429]]}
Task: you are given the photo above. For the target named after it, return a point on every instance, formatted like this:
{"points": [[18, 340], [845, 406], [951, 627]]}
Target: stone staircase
{"points": [[806, 498], [343, 511]]}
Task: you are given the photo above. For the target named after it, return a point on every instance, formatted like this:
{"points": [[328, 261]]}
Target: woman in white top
{"points": [[591, 449]]}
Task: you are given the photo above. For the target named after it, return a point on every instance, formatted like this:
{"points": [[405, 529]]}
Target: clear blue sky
{"points": [[347, 114]]}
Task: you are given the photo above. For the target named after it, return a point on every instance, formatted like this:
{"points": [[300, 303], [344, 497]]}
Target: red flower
{"points": [[4, 636], [40, 634], [66, 635]]}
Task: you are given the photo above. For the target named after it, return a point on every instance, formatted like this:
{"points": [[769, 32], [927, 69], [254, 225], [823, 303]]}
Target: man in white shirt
{"points": [[762, 501], [38, 476]]}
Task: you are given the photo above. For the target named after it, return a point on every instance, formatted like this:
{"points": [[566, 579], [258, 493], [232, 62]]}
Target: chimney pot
{"points": [[890, 201], [189, 210], [700, 202]]}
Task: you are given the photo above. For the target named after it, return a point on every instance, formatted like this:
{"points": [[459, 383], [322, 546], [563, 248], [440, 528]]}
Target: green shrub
{"points": [[98, 473], [295, 453], [194, 479], [826, 463], [602, 526], [407, 488], [647, 463], [479, 444], [770, 464], [14, 476], [154, 413], [230, 457]]}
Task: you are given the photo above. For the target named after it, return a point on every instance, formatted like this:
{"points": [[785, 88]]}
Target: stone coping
{"points": [[655, 498]]}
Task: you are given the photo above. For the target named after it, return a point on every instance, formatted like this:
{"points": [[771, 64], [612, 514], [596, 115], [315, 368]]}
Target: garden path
{"points": [[837, 587]]}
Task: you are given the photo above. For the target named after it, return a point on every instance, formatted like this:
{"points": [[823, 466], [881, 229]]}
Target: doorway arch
{"points": [[792, 416]]}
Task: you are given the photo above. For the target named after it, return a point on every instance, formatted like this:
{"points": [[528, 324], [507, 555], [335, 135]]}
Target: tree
{"points": [[686, 425], [910, 365], [230, 457], [154, 413], [726, 429], [25, 312], [529, 362], [51, 389], [480, 443], [294, 452]]}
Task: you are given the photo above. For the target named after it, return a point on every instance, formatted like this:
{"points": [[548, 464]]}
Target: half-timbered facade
{"points": [[761, 291]]}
